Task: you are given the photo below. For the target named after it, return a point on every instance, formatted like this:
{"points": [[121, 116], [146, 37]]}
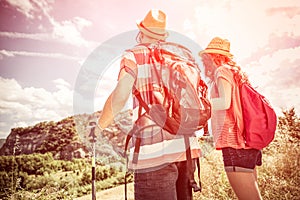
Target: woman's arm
{"points": [[224, 100]]}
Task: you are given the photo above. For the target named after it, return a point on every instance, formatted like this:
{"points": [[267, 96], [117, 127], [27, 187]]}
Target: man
{"points": [[161, 169]]}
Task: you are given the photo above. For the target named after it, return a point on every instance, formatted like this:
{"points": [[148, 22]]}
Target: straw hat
{"points": [[219, 46], [154, 25]]}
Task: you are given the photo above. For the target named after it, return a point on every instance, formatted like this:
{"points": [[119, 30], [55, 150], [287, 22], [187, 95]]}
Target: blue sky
{"points": [[45, 43]]}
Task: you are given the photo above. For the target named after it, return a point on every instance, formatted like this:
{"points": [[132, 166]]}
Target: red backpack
{"points": [[181, 105], [259, 118]]}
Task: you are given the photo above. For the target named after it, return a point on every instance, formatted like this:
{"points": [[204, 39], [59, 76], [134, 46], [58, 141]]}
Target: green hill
{"points": [[68, 138], [30, 174], [2, 141]]}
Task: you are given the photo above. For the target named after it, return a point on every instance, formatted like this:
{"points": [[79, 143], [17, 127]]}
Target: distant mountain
{"points": [[69, 138]]}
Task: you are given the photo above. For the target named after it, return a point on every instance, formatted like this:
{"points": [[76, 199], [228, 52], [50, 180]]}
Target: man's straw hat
{"points": [[219, 46], [154, 25]]}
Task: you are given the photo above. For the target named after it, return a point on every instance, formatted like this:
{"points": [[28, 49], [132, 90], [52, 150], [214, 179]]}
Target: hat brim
{"points": [[216, 51], [160, 36]]}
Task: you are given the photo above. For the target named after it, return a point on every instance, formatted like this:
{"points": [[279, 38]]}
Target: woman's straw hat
{"points": [[154, 25], [219, 46]]}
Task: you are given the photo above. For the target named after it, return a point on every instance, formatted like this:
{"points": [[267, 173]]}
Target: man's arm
{"points": [[117, 99]]}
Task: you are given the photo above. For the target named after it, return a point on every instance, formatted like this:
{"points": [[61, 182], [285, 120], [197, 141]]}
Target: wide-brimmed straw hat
{"points": [[219, 46], [154, 25]]}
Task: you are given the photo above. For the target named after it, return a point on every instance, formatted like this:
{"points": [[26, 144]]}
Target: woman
{"points": [[227, 123]]}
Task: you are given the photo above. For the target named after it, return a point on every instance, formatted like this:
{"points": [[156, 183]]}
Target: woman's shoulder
{"points": [[225, 72], [224, 68]]}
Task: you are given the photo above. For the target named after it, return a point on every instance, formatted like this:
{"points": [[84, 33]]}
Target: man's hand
{"points": [[92, 126]]}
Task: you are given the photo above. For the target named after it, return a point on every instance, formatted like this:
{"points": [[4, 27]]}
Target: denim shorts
{"points": [[242, 160]]}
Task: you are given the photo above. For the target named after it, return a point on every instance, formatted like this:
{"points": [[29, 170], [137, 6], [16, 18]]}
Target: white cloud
{"points": [[106, 83], [81, 23], [4, 53], [67, 31], [63, 95], [264, 37], [62, 84], [7, 53], [23, 6], [281, 65], [247, 24], [277, 77], [31, 36], [31, 8], [28, 106]]}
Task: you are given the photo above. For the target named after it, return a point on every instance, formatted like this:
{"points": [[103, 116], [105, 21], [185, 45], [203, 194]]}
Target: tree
{"points": [[290, 123]]}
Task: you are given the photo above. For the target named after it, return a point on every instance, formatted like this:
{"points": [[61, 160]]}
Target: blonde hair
{"points": [[239, 75]]}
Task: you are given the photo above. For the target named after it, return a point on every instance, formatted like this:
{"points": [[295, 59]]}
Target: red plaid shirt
{"points": [[158, 147]]}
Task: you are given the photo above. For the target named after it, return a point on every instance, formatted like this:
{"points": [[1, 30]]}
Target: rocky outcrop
{"points": [[69, 138]]}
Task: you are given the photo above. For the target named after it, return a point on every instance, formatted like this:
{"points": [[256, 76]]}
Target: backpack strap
{"points": [[190, 172], [205, 130], [137, 94], [198, 174], [127, 173], [137, 145]]}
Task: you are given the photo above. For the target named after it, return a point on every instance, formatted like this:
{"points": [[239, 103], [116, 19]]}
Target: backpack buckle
{"points": [[195, 186]]}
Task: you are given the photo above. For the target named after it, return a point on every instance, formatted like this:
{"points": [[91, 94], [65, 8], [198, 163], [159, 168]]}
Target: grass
{"points": [[278, 177], [213, 178]]}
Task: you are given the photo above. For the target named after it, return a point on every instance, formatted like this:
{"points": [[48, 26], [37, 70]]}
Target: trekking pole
{"points": [[93, 136], [93, 174]]}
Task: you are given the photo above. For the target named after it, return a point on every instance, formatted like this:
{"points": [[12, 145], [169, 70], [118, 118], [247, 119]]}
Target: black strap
{"points": [[199, 173], [125, 178], [137, 94], [137, 145], [205, 130], [128, 138], [136, 150], [190, 171]]}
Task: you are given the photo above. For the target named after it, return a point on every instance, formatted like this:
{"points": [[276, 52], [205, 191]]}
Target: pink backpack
{"points": [[259, 118]]}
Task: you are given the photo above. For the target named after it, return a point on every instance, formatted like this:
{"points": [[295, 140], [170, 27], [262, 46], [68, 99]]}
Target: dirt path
{"points": [[116, 193]]}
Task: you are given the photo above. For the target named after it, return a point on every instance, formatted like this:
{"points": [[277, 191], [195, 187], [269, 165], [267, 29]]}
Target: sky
{"points": [[46, 47]]}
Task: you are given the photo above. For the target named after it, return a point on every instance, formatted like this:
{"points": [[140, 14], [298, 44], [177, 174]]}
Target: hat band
{"points": [[217, 49], [159, 34]]}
